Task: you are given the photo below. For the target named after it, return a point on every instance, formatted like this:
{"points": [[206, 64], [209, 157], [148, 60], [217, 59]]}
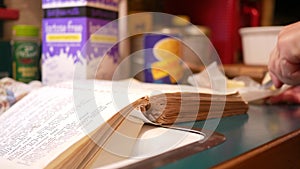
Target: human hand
{"points": [[290, 95], [284, 62]]}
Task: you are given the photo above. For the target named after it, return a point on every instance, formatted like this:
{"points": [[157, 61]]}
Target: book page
{"points": [[155, 88], [48, 121], [11, 165], [36, 125], [153, 141], [127, 134]]}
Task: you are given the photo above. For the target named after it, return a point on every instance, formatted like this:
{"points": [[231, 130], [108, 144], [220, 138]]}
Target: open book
{"points": [[71, 125]]}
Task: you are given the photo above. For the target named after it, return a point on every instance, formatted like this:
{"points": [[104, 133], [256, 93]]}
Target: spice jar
{"points": [[26, 53]]}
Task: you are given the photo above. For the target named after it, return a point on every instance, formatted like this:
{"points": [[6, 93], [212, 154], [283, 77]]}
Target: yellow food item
{"points": [[168, 52], [266, 79], [167, 49], [231, 84]]}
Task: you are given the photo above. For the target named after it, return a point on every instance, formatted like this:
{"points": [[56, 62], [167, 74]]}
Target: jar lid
{"points": [[181, 20], [198, 30], [26, 30]]}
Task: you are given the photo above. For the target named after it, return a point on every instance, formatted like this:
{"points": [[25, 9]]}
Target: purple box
{"points": [[90, 12], [71, 43], [103, 4], [162, 64]]}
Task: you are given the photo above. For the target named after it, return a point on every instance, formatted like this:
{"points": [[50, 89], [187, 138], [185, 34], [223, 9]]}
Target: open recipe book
{"points": [[78, 124]]}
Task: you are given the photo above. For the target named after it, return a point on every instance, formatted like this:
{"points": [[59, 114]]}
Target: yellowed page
{"points": [[39, 127], [48, 121], [153, 141], [120, 145]]}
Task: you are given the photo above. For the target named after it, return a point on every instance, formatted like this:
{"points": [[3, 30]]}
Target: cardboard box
{"points": [[73, 46], [102, 4]]}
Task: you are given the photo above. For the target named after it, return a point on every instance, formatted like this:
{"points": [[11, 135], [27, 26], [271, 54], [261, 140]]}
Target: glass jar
{"points": [[26, 53]]}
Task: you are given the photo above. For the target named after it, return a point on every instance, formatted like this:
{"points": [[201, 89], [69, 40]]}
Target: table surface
{"points": [[262, 124]]}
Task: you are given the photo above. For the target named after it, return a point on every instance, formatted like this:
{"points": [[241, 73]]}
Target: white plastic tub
{"points": [[257, 43]]}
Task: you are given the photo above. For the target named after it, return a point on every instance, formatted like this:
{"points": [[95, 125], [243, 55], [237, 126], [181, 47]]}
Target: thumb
{"points": [[277, 83]]}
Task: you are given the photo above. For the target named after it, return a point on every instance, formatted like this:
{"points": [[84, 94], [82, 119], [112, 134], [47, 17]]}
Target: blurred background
{"points": [[220, 20]]}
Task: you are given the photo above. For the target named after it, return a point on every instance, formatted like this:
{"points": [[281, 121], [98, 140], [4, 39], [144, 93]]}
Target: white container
{"points": [[258, 42]]}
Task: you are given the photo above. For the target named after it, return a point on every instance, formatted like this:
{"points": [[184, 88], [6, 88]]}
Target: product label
{"points": [[103, 4], [26, 61], [162, 59], [76, 43], [81, 12]]}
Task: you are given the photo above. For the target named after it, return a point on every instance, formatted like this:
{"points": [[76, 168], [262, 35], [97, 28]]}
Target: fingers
{"points": [[282, 71], [284, 62], [277, 83], [291, 95], [274, 68]]}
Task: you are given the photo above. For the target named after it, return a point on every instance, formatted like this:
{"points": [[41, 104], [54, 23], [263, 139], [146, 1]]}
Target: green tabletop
{"points": [[261, 124]]}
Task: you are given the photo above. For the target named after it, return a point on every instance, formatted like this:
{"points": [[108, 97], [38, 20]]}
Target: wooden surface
{"points": [[257, 72]]}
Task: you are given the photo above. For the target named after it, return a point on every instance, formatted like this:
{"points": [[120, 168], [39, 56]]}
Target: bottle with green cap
{"points": [[26, 50]]}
